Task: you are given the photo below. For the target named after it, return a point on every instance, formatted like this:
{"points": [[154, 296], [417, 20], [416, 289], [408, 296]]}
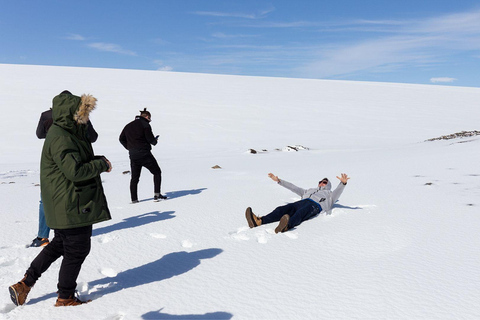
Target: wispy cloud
{"points": [[442, 80], [111, 47], [256, 15], [162, 66], [221, 35], [160, 41], [330, 26], [165, 68], [75, 37], [414, 43]]}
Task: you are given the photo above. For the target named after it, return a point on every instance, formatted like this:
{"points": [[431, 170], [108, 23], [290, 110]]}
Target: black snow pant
{"points": [[147, 160], [298, 211], [74, 245]]}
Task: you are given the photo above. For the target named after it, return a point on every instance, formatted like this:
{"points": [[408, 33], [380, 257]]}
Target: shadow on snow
{"points": [[207, 316], [177, 194], [182, 193], [336, 205], [136, 221], [170, 265]]}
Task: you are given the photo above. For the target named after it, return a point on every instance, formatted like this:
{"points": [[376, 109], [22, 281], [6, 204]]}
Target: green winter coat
{"points": [[72, 191]]}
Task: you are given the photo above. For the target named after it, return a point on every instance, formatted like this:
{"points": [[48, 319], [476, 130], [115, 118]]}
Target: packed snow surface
{"points": [[402, 242]]}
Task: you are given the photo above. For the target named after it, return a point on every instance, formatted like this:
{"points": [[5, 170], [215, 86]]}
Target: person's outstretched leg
{"points": [[19, 291], [44, 259], [277, 214], [306, 210]]}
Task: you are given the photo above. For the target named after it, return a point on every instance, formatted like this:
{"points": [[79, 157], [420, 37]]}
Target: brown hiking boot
{"points": [[19, 292], [72, 301], [252, 219], [283, 225]]}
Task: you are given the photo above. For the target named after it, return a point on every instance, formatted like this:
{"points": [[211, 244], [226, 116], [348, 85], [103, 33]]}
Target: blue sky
{"points": [[426, 42]]}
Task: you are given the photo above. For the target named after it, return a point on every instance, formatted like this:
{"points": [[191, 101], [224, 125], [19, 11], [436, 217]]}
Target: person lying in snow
{"points": [[313, 201]]}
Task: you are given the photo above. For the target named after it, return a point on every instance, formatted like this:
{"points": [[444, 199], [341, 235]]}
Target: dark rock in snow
{"points": [[462, 134]]}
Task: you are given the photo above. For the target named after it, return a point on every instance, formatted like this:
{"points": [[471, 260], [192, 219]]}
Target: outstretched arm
{"points": [[273, 177], [286, 184], [338, 191], [344, 178]]}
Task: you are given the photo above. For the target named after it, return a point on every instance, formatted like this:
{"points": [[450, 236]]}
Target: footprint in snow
{"points": [[291, 235], [158, 236], [6, 263], [7, 308], [85, 289], [240, 234], [109, 272], [118, 316], [106, 238], [262, 238], [187, 244]]}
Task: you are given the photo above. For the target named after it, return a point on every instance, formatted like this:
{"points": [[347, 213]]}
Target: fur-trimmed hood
{"points": [[69, 111], [87, 105], [70, 180]]}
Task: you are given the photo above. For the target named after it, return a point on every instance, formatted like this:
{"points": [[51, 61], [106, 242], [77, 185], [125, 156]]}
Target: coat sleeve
{"points": [[292, 187], [68, 160], [149, 135], [123, 139], [337, 192], [43, 125]]}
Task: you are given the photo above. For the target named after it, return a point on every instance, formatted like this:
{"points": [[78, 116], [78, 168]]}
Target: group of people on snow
{"points": [[72, 197]]}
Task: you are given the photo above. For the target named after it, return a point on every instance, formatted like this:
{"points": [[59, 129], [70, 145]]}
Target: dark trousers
{"points": [[298, 211], [74, 246], [148, 161]]}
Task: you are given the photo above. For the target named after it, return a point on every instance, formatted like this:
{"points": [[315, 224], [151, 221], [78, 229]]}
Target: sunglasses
{"points": [[323, 182]]}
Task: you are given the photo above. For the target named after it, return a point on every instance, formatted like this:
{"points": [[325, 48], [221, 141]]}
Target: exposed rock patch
{"points": [[462, 134], [291, 148]]}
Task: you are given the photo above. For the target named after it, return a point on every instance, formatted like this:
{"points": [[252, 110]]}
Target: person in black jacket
{"points": [[137, 137], [45, 122]]}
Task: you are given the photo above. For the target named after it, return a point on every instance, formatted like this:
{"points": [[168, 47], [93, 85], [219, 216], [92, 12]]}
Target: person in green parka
{"points": [[72, 195]]}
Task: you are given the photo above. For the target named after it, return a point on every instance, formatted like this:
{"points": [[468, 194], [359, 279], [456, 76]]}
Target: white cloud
{"points": [[258, 15], [111, 47], [225, 14], [160, 41], [162, 66], [221, 35], [416, 43], [442, 79], [165, 68], [75, 37]]}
